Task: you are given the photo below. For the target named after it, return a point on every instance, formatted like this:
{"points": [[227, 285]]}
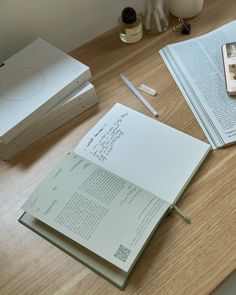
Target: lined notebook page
{"points": [[152, 155]]}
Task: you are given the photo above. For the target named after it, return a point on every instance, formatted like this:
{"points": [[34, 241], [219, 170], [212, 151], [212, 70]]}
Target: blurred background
{"points": [[66, 24]]}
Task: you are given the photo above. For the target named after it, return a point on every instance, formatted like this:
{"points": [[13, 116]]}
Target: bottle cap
{"points": [[129, 15]]}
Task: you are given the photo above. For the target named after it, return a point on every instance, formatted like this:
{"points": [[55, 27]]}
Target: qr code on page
{"points": [[122, 253]]}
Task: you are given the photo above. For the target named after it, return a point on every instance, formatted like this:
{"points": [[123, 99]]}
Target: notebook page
{"points": [[150, 154], [92, 206], [102, 267]]}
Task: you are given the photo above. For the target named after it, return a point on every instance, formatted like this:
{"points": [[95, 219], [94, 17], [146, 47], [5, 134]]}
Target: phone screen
{"points": [[229, 57]]}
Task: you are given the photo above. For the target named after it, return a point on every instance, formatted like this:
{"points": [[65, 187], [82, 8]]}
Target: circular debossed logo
{"points": [[21, 84]]}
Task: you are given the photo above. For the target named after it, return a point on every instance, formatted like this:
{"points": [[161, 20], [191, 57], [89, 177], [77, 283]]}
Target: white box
{"points": [[74, 104], [32, 82]]}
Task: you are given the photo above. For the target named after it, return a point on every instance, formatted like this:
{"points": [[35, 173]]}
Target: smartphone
{"points": [[229, 59]]}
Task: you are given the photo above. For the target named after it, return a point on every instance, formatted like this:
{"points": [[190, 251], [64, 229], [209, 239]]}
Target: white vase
{"points": [[185, 8]]}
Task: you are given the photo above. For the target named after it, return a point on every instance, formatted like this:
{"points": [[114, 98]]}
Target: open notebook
{"points": [[102, 202]]}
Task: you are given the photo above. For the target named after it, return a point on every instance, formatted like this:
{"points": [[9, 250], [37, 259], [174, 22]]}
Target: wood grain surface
{"points": [[180, 258]]}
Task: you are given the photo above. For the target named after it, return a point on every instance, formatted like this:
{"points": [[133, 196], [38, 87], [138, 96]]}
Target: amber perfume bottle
{"points": [[131, 28]]}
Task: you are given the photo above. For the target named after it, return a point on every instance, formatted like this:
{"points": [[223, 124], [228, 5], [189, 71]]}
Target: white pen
{"points": [[139, 95]]}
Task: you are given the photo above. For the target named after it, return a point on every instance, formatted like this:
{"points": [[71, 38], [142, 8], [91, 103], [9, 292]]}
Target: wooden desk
{"points": [[180, 258]]}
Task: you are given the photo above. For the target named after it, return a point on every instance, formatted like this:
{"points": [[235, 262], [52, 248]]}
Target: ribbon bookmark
{"points": [[181, 213]]}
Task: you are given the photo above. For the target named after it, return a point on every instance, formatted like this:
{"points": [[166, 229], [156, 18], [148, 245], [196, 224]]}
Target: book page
{"points": [[88, 258], [201, 63], [143, 151], [101, 211], [190, 97]]}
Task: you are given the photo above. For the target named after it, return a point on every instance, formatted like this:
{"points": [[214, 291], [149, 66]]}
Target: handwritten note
{"points": [[101, 144]]}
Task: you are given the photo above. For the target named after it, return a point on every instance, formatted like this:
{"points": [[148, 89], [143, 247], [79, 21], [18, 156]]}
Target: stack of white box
{"points": [[41, 88]]}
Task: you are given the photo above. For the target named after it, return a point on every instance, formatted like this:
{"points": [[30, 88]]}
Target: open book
{"points": [[197, 67], [102, 202]]}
